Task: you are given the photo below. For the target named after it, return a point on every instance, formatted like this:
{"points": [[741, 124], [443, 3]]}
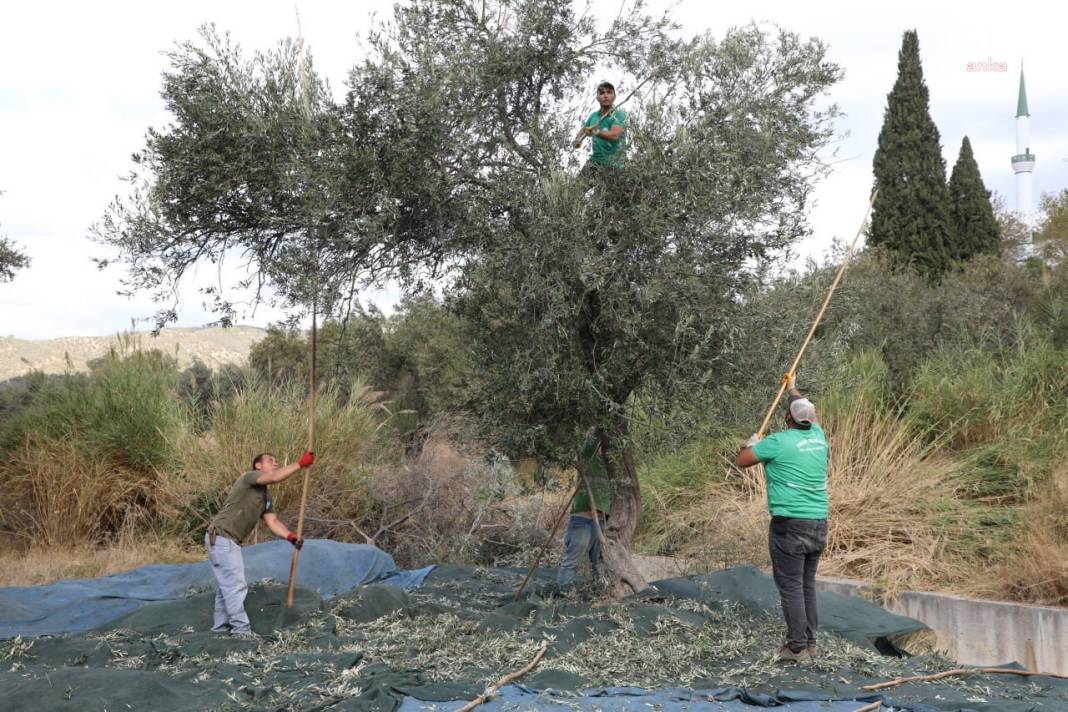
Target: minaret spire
{"points": [[1023, 163], [1021, 100]]}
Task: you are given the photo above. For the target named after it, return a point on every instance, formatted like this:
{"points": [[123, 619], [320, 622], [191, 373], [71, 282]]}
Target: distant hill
{"points": [[214, 346]]}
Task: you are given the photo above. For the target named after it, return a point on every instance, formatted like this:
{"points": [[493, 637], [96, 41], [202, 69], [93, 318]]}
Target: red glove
{"points": [[307, 459], [294, 540]]}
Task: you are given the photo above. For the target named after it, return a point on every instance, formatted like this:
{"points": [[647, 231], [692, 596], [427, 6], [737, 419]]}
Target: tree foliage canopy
{"points": [[975, 229], [911, 215], [251, 164], [577, 290], [11, 259]]}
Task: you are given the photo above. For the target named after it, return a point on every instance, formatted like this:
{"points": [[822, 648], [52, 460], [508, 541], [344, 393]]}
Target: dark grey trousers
{"points": [[795, 546]]}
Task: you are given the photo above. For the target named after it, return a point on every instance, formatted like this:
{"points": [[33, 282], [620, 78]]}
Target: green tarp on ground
{"points": [[702, 643]]}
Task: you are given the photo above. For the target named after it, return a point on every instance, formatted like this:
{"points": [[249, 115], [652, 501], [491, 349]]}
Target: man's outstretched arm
{"points": [[282, 473]]}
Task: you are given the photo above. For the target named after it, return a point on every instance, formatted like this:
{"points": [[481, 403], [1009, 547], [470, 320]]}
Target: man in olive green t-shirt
{"points": [[795, 466], [580, 539], [246, 503]]}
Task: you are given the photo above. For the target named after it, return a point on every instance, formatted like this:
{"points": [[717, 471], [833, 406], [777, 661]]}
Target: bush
{"points": [[82, 460], [452, 499], [1004, 410], [199, 387], [121, 412]]}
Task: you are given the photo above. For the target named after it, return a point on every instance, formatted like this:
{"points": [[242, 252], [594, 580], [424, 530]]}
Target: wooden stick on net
{"points": [[959, 671], [873, 707], [510, 677]]}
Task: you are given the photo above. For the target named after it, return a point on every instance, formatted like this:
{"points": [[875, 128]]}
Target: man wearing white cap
{"points": [[795, 465]]}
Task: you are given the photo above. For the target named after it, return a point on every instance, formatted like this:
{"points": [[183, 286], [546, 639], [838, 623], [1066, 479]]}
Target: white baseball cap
{"points": [[802, 411]]}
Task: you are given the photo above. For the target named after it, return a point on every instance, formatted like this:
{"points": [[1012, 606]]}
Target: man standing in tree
{"points": [[795, 465], [247, 502], [607, 126], [580, 539]]}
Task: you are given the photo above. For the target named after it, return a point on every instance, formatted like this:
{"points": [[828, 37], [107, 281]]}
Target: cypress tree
{"points": [[911, 214], [975, 230]]}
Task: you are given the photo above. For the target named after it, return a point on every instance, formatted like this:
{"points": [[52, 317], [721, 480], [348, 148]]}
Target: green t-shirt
{"points": [[244, 506], [605, 152], [592, 463], [795, 463]]}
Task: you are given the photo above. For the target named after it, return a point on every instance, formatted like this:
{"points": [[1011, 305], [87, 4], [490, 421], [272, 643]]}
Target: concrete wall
{"points": [[975, 632]]}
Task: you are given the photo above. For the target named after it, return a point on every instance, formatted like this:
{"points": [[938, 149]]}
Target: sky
{"points": [[81, 87]]}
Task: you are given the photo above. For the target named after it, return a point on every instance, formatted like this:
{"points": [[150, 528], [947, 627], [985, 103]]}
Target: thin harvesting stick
{"points": [[552, 536], [819, 316], [960, 671], [311, 346]]}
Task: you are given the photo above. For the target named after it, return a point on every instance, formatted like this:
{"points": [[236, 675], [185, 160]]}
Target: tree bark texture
{"points": [[621, 576]]}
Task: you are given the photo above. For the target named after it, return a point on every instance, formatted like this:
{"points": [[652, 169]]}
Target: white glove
{"points": [[753, 440]]}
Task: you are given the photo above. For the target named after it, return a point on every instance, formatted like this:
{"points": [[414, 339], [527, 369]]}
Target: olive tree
{"points": [[578, 288]]}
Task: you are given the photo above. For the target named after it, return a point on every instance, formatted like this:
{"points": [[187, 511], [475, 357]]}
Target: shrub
{"points": [[1004, 410], [121, 412], [452, 499], [82, 460]]}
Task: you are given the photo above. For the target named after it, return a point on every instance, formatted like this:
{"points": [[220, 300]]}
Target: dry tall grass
{"points": [[44, 564], [57, 496], [1037, 570], [894, 503]]}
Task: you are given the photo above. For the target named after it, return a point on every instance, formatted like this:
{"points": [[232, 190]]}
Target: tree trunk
{"points": [[621, 576]]}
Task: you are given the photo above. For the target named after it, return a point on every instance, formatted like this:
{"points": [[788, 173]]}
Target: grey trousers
{"points": [[228, 566], [795, 546]]}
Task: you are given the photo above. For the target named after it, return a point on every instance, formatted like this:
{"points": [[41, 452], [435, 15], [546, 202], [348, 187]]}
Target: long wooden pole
{"points": [[311, 346], [552, 536], [819, 316], [304, 486]]}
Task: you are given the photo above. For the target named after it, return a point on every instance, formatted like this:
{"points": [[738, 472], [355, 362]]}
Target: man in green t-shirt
{"points": [[246, 503], [580, 539], [608, 128], [795, 466]]}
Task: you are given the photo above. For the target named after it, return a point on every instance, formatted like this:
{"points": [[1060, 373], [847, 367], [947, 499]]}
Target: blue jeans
{"points": [[228, 566], [580, 541]]}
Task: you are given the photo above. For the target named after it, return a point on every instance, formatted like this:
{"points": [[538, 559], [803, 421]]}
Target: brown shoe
{"points": [[789, 656], [812, 651]]}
